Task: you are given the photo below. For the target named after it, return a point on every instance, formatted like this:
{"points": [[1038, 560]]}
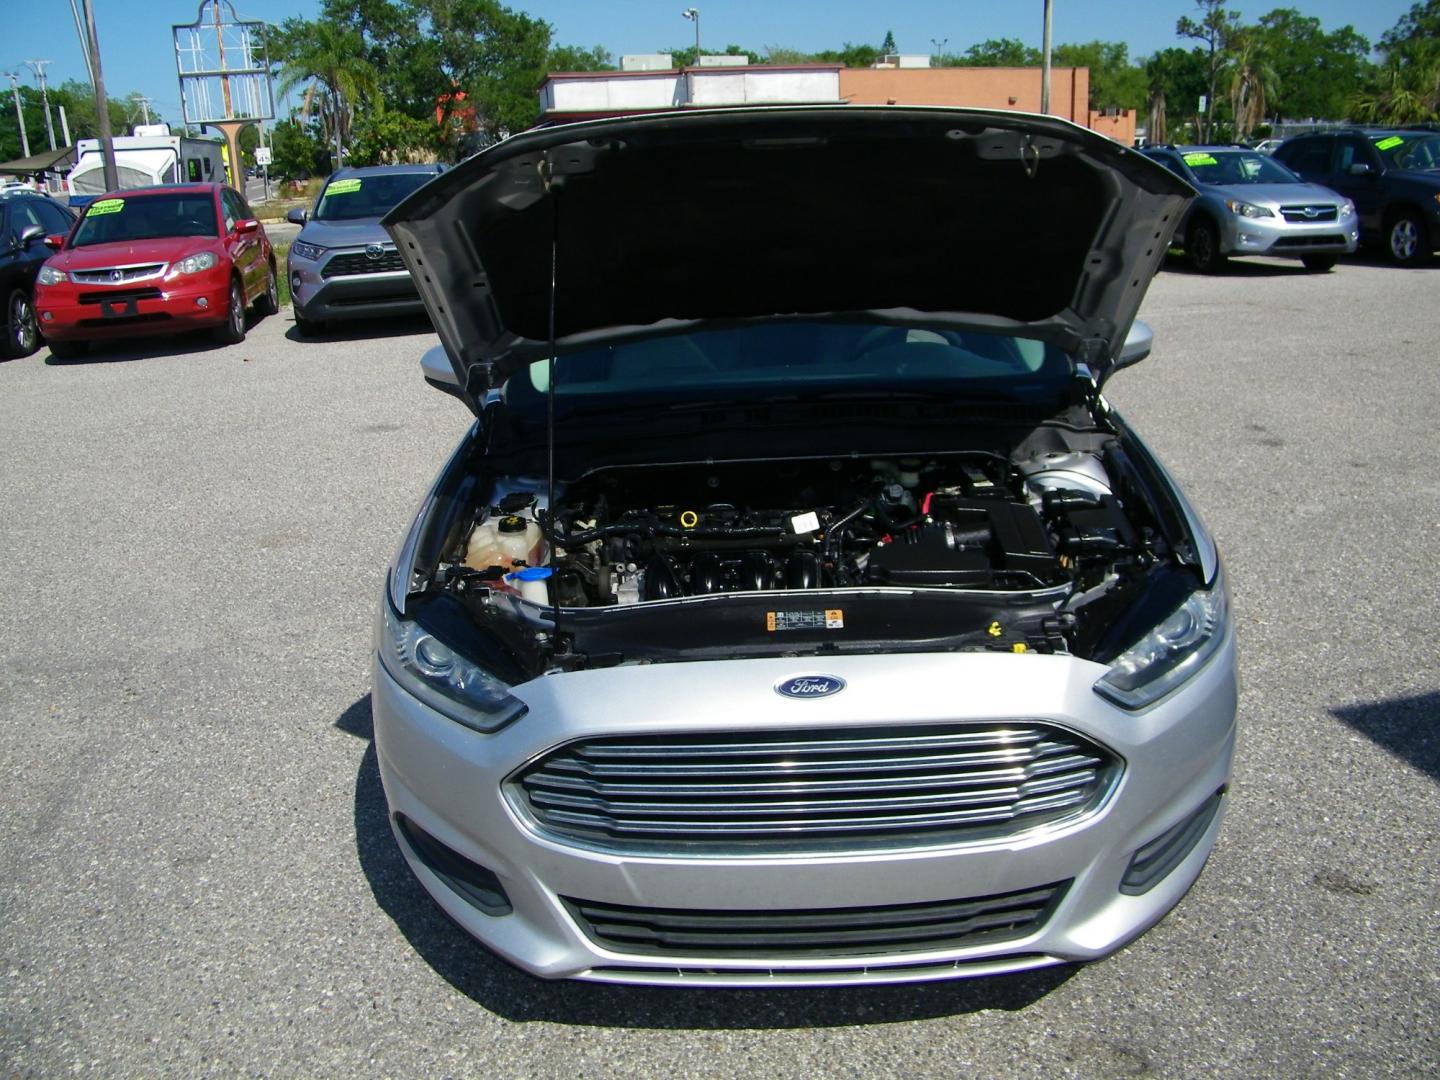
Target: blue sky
{"points": [[136, 51]]}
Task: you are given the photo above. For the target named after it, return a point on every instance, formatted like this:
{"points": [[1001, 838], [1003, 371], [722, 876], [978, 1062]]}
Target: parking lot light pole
{"points": [[693, 14], [1045, 62]]}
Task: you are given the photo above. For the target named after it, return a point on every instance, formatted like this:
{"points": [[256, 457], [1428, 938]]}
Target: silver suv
{"points": [[1251, 204], [343, 265]]}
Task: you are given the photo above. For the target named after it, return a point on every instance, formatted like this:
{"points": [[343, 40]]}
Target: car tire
{"points": [[232, 330], [269, 302], [1202, 247], [1407, 239], [68, 350], [1320, 264], [308, 327], [22, 328]]}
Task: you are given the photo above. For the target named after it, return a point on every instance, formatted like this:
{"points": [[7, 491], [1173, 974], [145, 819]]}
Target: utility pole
{"points": [[1045, 63], [102, 107], [693, 14], [14, 78], [38, 66], [64, 126], [144, 103]]}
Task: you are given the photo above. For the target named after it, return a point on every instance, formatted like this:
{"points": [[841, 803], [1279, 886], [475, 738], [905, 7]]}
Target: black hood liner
{"points": [[845, 226]]}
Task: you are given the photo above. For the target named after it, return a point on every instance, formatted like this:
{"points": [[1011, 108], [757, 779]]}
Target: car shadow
{"points": [[1377, 258], [126, 350], [1241, 267], [362, 329], [507, 991], [1406, 727]]}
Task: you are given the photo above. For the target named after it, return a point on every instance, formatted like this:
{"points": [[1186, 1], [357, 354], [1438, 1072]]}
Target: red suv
{"points": [[153, 261]]}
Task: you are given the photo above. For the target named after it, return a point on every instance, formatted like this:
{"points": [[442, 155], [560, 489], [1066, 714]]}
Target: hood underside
{"points": [[914, 216]]}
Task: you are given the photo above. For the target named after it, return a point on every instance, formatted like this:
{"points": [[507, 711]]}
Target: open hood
{"points": [[655, 224]]}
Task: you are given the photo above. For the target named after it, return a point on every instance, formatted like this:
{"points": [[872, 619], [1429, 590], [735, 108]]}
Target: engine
{"points": [[975, 521]]}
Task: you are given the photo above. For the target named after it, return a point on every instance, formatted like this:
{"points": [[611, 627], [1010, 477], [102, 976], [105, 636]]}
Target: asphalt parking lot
{"points": [[195, 871]]}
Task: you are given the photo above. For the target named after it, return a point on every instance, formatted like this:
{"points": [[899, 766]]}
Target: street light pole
{"points": [[1045, 63], [939, 48], [693, 14]]}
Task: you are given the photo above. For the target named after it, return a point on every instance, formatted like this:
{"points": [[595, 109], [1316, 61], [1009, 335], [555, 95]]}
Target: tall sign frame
{"points": [[224, 71]]}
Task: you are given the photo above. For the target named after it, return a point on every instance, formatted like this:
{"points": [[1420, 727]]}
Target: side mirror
{"points": [[246, 225], [56, 241], [296, 216], [1361, 169], [439, 372], [1137, 345], [30, 234]]}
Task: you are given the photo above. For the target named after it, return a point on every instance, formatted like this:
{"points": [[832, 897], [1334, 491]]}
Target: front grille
{"points": [[813, 791], [854, 931], [120, 296], [1299, 215], [116, 275], [358, 262], [1309, 241]]}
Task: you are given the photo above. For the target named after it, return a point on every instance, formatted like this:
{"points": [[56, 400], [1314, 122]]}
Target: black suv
{"points": [[1391, 174], [25, 220]]}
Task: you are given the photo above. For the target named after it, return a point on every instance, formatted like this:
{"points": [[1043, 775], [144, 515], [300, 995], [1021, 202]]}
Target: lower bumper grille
{"points": [[813, 791], [859, 931], [1310, 241], [120, 296]]}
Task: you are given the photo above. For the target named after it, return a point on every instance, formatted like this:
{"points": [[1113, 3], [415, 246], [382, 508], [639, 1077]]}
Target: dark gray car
{"points": [[343, 265]]}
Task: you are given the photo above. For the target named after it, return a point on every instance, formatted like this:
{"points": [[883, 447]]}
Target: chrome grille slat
{"points": [[836, 932], [812, 791], [127, 274]]}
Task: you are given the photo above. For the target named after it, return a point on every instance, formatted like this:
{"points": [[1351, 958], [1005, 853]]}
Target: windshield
{"points": [[145, 217], [1237, 167], [366, 196], [799, 360], [1410, 151]]}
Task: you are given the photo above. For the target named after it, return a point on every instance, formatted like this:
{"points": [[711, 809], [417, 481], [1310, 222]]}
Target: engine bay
{"points": [[1052, 523]]}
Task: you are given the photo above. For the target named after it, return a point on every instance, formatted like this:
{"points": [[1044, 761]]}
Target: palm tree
{"points": [[331, 58], [1253, 83], [1408, 93]]}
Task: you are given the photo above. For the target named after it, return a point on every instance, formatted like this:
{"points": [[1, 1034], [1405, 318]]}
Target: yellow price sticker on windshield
{"points": [[105, 206], [1389, 142], [343, 187], [1200, 159]]}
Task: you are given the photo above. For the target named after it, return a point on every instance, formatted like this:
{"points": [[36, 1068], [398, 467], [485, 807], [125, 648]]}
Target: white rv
{"points": [[151, 156]]}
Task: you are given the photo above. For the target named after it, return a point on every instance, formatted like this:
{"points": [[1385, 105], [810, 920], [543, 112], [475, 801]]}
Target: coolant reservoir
{"points": [[504, 541]]}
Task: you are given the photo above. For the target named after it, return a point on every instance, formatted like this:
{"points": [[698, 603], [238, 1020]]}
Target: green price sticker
{"points": [[105, 206], [1389, 142], [1200, 159], [343, 187]]}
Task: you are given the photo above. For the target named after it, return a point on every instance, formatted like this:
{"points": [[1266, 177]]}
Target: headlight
{"points": [[193, 264], [1171, 652], [50, 276], [1250, 210], [1347, 207], [306, 251], [443, 679]]}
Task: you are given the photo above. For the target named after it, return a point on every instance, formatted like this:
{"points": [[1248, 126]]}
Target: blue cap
{"points": [[530, 573]]}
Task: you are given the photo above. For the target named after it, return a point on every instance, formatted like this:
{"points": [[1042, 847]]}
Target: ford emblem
{"points": [[810, 686]]}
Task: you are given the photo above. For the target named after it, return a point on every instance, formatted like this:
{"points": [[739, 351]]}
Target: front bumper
{"points": [[320, 298], [86, 312], [1285, 239], [447, 780]]}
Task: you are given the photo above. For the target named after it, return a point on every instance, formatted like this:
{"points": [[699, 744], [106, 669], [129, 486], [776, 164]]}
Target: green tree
{"points": [[297, 150], [328, 58], [888, 46], [686, 56], [852, 56], [392, 138], [1175, 79], [1253, 82], [1215, 30], [1406, 88], [1316, 72], [1000, 52], [1114, 81], [577, 58]]}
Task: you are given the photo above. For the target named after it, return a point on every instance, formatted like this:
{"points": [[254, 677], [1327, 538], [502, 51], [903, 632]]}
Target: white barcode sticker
{"points": [[805, 523]]}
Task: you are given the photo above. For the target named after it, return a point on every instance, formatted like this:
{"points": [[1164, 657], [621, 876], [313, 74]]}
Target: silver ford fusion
{"points": [[795, 610]]}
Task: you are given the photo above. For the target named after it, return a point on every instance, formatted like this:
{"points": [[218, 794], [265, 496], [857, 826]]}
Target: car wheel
{"points": [[1319, 264], [1202, 245], [269, 302], [308, 327], [232, 330], [68, 350], [22, 334], [1406, 239]]}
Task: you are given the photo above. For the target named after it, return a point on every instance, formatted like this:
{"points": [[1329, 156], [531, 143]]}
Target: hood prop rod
{"points": [[553, 190]]}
